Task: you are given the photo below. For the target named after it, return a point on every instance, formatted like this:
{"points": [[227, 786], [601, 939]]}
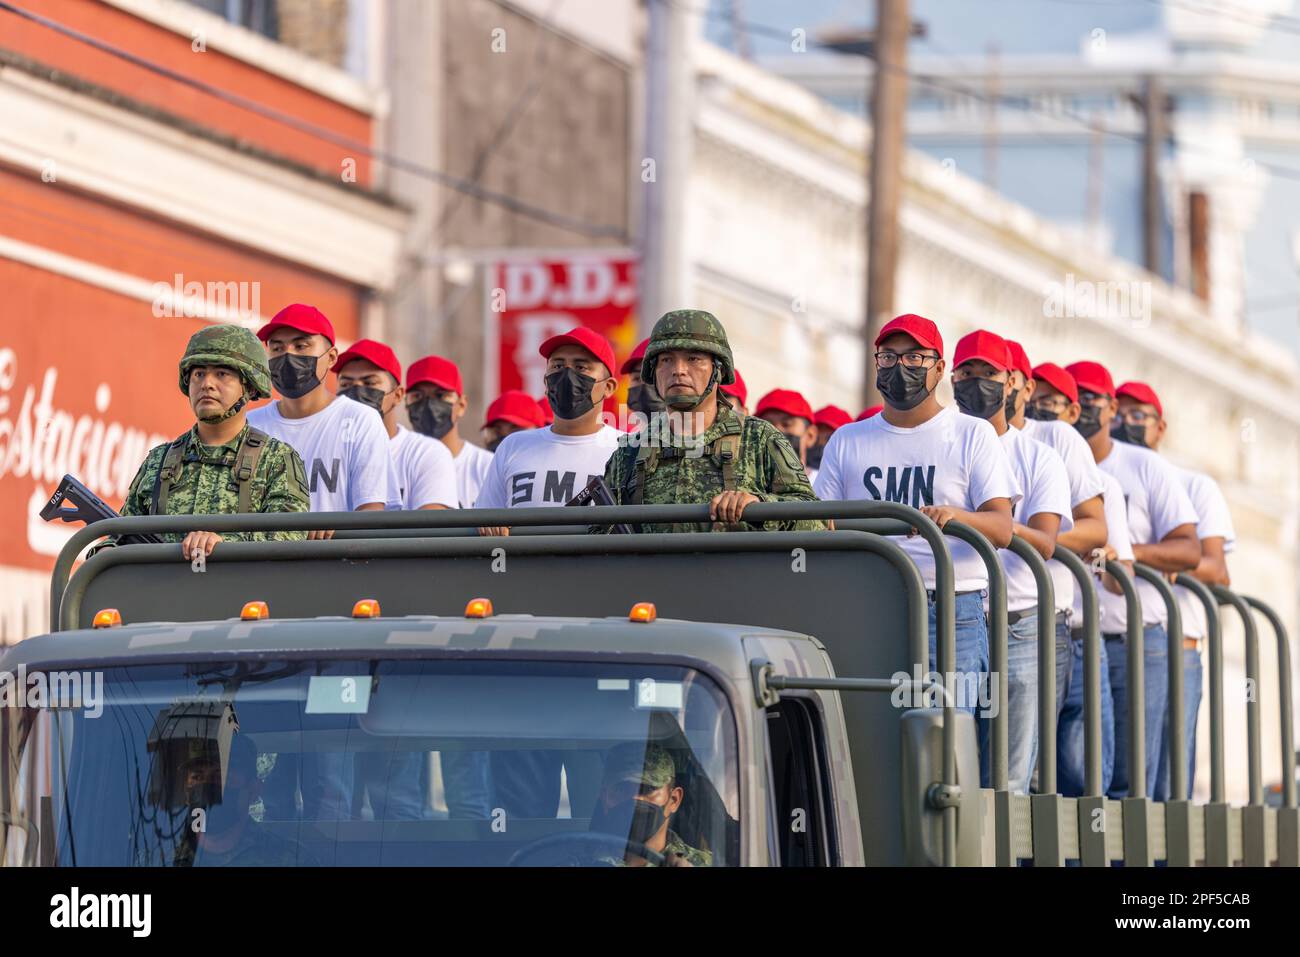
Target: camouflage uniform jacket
{"points": [[205, 485], [764, 465], [694, 856]]}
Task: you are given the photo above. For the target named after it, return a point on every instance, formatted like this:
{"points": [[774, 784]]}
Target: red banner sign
{"points": [[532, 300]]}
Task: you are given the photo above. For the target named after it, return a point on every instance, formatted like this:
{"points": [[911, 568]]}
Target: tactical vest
{"points": [[644, 459], [241, 474]]}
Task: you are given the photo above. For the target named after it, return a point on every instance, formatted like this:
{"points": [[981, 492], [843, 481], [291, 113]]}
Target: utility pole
{"points": [[663, 172], [888, 109], [1153, 109], [887, 46]]}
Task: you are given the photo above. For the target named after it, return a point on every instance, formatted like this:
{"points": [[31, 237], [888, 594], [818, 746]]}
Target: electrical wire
{"points": [[511, 203]]}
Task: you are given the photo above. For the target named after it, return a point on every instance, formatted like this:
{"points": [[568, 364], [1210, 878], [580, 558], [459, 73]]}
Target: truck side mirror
{"points": [[921, 740]]}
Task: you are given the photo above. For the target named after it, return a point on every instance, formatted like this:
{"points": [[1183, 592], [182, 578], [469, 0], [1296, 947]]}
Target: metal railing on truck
{"points": [[1044, 826]]}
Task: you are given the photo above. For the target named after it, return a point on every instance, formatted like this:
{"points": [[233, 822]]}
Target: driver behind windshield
{"points": [[227, 835], [639, 795]]}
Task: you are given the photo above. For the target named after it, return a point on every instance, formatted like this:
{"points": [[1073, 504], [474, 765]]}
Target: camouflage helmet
{"points": [[689, 329], [234, 347], [646, 763]]}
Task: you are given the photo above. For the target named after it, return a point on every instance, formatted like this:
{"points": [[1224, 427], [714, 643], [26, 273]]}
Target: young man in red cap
{"points": [[512, 411], [435, 405], [827, 419], [738, 393], [792, 415], [550, 466], [369, 373], [982, 386], [948, 465], [642, 399], [342, 444], [1056, 399], [1087, 511], [1141, 421], [1162, 525]]}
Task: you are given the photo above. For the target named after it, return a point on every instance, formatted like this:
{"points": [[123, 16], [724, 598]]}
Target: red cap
{"points": [[831, 417], [1019, 361], [513, 406], [372, 351], [1141, 392], [982, 344], [544, 413], [593, 342], [925, 332], [1058, 379], [1092, 377], [437, 371], [633, 363], [307, 319], [868, 413], [737, 389], [787, 401]]}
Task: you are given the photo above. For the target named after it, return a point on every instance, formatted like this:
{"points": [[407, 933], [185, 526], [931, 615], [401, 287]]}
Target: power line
{"points": [[511, 203], [1264, 21], [1025, 104]]}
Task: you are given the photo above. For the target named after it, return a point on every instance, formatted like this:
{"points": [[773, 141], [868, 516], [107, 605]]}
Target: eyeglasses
{"points": [[1092, 398], [911, 360], [1138, 416], [1051, 403]]}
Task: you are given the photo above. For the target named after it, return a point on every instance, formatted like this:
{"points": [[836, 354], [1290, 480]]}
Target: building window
{"points": [[257, 15]]}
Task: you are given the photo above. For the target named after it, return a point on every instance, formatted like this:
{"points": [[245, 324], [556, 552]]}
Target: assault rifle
{"points": [[86, 507]]}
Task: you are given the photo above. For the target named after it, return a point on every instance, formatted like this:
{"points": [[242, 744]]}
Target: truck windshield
{"points": [[400, 762]]}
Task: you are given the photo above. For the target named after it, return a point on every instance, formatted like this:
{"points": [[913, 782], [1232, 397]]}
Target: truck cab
{"points": [[477, 740]]}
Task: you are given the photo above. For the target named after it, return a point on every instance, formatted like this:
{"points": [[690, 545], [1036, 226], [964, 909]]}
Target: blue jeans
{"points": [[972, 659], [1191, 705], [1155, 679], [1070, 772], [1022, 709], [467, 784]]}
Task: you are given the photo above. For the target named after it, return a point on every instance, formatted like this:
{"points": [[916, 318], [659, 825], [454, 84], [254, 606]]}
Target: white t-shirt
{"points": [[425, 473], [952, 459], [1046, 488], [472, 463], [1113, 611], [1213, 520], [344, 447], [1157, 505], [537, 467], [1085, 483]]}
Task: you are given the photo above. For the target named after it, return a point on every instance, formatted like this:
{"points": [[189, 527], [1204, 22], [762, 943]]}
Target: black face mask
{"points": [[644, 399], [1089, 423], [639, 820], [570, 393], [796, 441], [431, 417], [814, 454], [1123, 431], [1040, 415], [901, 387], [1011, 404], [293, 375], [979, 397], [492, 446], [366, 396]]}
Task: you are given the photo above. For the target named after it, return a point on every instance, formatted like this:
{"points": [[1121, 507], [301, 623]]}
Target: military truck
{"points": [[410, 692]]}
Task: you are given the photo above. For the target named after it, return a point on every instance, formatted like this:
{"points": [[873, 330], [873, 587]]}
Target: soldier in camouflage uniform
{"points": [[221, 465], [701, 450], [640, 784]]}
